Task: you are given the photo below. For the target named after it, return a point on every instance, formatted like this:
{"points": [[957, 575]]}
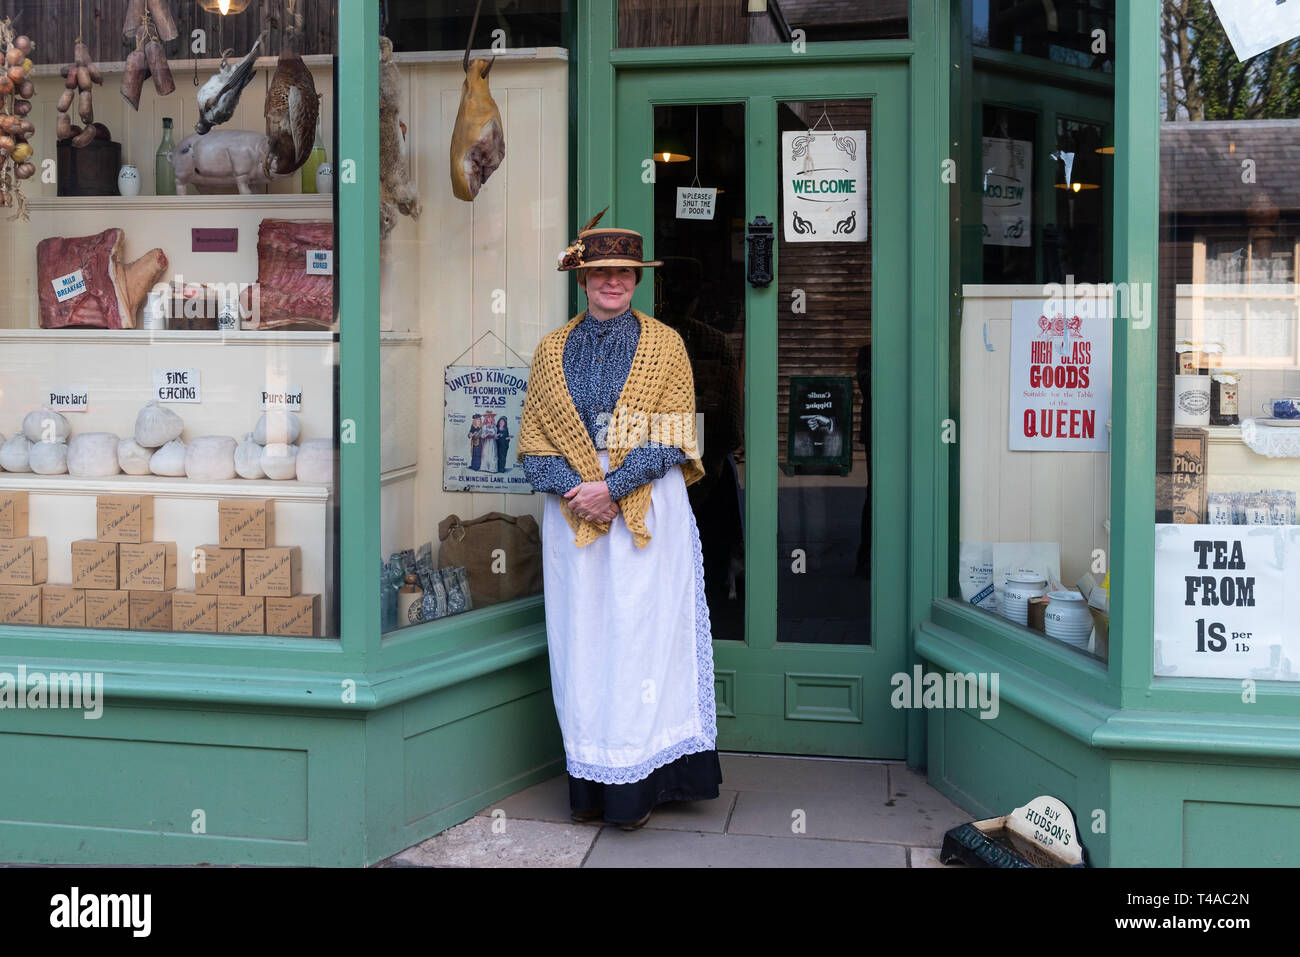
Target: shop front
{"points": [[952, 276]]}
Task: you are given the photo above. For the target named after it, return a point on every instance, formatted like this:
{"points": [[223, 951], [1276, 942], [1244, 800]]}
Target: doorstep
{"points": [[772, 811]]}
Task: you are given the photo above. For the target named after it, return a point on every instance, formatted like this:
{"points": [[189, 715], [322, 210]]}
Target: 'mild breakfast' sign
{"points": [[1060, 376]]}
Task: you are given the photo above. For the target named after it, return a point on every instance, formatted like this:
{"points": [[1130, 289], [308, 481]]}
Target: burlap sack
{"points": [[471, 544]]}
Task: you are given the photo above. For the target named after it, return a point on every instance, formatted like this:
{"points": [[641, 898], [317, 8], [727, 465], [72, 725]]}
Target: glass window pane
{"points": [[468, 287], [824, 386], [1063, 31], [168, 332], [700, 292], [1033, 321], [1228, 386], [666, 23]]}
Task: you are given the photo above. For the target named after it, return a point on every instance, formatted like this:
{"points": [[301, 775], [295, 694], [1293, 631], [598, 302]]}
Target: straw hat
{"points": [[604, 247]]}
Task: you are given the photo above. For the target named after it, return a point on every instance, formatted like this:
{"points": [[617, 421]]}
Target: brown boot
{"points": [[582, 817], [637, 824]]}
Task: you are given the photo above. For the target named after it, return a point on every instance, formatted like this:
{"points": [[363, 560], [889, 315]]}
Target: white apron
{"points": [[630, 644]]}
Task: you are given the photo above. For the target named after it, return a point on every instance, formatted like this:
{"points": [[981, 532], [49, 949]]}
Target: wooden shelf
{"points": [[212, 64], [165, 486], [321, 201], [245, 337], [137, 337]]}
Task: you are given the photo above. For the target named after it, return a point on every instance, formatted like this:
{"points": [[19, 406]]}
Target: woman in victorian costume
{"points": [[609, 429]]}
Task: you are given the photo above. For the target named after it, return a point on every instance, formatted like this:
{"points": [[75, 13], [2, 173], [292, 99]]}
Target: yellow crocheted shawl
{"points": [[657, 404]]}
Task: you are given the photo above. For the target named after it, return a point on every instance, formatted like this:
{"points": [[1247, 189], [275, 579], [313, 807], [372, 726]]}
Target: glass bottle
{"points": [[164, 173], [314, 160]]}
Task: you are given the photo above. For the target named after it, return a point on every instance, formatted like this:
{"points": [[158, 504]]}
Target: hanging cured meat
{"points": [[478, 141], [289, 295], [85, 282]]}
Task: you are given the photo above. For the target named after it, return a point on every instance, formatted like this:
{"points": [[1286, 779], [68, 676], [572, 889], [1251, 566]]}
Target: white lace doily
{"points": [[1271, 441]]}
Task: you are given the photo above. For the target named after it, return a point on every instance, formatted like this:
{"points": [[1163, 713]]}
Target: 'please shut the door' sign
{"points": [[824, 184]]}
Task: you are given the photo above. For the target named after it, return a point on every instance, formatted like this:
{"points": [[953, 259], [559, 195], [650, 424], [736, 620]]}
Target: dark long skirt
{"points": [[692, 777]]}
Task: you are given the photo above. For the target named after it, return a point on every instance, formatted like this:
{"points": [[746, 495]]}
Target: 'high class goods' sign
{"points": [[824, 183], [1225, 602], [1060, 376]]}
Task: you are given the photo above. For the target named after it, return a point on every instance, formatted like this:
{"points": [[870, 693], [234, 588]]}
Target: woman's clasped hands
{"points": [[591, 501]]}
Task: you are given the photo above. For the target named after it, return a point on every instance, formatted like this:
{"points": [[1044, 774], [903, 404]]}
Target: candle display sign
{"points": [[1223, 597], [1060, 376]]}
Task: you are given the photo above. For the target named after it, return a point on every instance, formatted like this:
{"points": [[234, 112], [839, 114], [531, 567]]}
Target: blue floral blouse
{"points": [[597, 358]]}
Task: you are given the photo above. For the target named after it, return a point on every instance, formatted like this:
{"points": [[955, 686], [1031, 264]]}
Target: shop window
{"points": [[1033, 324], [676, 23], [168, 330], [1062, 31], [469, 286], [1228, 387]]}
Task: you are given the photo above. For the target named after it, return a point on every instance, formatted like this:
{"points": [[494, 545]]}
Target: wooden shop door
{"points": [[802, 515]]}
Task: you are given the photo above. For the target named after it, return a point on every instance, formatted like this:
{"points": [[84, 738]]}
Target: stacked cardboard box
{"points": [[23, 560], [270, 600], [127, 578]]}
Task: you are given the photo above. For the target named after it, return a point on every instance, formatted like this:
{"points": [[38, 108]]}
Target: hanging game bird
{"points": [[292, 105], [220, 95]]}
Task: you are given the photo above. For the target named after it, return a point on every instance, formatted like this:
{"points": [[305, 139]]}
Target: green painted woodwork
{"points": [[788, 697], [343, 751], [929, 458]]}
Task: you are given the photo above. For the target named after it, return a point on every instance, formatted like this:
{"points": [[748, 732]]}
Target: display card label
{"points": [[320, 262], [287, 397], [67, 400], [221, 240], [70, 286], [177, 385]]}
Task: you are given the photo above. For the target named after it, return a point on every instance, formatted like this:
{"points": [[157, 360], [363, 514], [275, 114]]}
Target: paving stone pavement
{"points": [[771, 812]]}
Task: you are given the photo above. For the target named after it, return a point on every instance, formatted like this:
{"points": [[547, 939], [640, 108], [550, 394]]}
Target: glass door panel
{"points": [[824, 373], [700, 292]]}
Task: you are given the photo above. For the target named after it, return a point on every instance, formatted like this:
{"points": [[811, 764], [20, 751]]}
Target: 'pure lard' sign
{"points": [[1223, 602], [1060, 376]]}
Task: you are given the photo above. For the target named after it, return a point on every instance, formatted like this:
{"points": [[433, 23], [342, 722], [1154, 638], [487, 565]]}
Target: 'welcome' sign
{"points": [[824, 186]]}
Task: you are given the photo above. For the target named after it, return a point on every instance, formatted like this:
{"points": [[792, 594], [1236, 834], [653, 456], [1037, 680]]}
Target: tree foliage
{"points": [[1204, 80]]}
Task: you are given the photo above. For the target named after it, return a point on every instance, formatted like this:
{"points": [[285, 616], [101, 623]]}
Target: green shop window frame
{"points": [[273, 671], [1081, 694]]}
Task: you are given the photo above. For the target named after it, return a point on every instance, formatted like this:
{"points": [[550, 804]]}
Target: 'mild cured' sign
{"points": [[1060, 376]]}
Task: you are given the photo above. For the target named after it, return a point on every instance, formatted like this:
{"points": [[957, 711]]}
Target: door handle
{"points": [[758, 238]]}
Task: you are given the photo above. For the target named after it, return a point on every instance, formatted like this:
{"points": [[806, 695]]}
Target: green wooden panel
{"points": [[157, 785], [1219, 834], [454, 761]]}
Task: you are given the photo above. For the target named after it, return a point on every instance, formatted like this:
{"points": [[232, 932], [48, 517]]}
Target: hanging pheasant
{"points": [[292, 105], [478, 142]]}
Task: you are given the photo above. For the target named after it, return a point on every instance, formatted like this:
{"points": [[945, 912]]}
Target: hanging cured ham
{"points": [[478, 141]]}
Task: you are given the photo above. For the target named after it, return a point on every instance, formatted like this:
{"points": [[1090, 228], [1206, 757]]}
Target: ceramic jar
{"points": [[128, 181], [1021, 585], [1067, 618]]}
